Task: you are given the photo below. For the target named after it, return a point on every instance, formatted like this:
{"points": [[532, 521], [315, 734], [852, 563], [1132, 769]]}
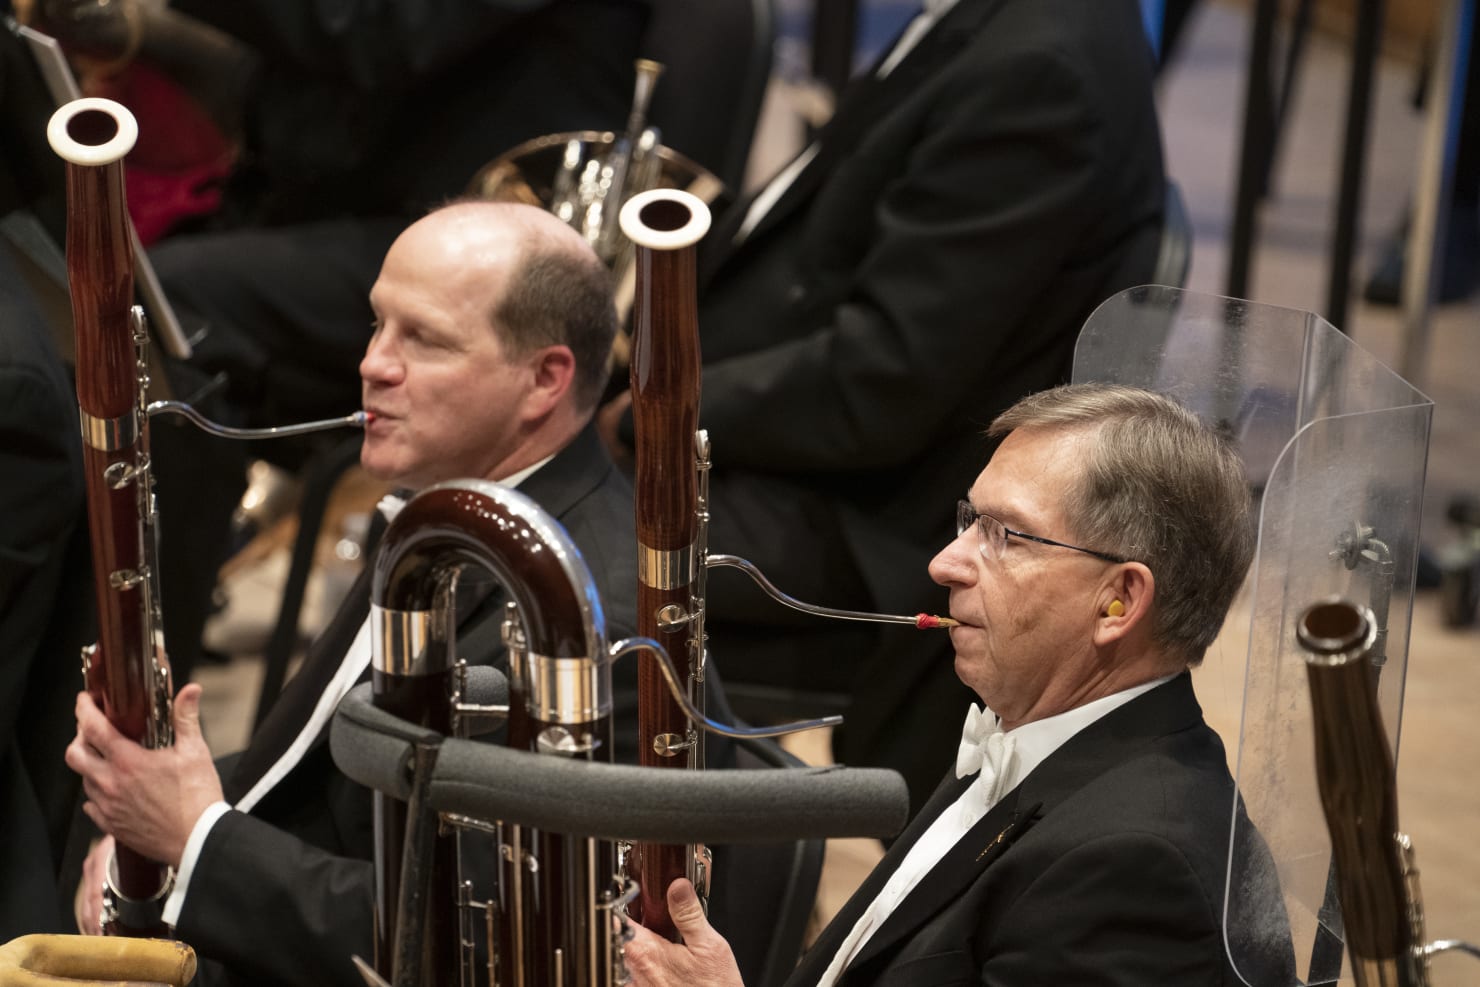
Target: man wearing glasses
{"points": [[1082, 833]]}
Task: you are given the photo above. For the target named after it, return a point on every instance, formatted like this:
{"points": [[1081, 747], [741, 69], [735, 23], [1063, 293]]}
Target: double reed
{"points": [[126, 671]]}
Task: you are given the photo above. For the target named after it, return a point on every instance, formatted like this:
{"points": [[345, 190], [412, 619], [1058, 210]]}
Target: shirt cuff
{"points": [[175, 903]]}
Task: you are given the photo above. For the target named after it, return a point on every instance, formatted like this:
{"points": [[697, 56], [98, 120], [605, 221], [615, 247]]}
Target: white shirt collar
{"points": [[390, 505], [1037, 740]]}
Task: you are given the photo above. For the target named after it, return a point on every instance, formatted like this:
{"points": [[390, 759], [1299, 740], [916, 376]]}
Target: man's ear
{"points": [[553, 372], [1125, 603]]}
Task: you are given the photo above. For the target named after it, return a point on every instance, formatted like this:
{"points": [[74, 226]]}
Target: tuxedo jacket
{"points": [[931, 265], [385, 109], [1106, 865], [283, 894], [46, 609]]}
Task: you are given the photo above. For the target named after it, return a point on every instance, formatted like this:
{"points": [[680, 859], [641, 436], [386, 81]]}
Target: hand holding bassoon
{"points": [[149, 799]]}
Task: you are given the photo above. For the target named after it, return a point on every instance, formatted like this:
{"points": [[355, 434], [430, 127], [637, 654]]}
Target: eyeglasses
{"points": [[992, 535]]}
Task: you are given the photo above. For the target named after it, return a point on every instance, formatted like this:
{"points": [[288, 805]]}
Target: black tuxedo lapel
{"points": [[866, 99], [817, 958], [574, 473], [295, 705], [1113, 738], [961, 866]]}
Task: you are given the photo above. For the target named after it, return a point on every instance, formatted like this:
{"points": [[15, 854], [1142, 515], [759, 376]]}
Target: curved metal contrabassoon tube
{"points": [[1376, 873], [126, 671], [545, 928], [554, 912]]}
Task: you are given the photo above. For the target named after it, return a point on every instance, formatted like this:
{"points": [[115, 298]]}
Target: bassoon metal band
{"points": [[566, 690], [673, 569], [109, 434], [400, 647]]}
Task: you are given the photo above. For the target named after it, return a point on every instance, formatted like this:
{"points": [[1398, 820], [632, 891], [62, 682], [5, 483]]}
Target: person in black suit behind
{"points": [[493, 328], [1083, 834], [926, 262], [45, 576], [44, 611]]}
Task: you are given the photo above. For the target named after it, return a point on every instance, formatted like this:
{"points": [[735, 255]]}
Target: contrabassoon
{"points": [[549, 904], [126, 671]]}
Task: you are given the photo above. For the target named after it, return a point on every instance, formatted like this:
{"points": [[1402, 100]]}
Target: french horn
{"points": [[585, 177]]}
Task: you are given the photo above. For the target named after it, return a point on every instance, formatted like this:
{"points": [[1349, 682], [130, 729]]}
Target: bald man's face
{"points": [[446, 396]]}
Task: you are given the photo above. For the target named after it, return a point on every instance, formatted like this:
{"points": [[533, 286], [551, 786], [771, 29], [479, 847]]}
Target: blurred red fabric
{"points": [[181, 161]]}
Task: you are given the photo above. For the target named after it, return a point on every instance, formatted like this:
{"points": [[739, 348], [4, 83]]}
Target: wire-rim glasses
{"points": [[992, 535]]}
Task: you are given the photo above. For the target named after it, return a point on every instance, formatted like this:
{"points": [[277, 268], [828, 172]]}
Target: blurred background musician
{"points": [[353, 120], [1082, 835], [926, 261], [44, 614], [45, 581], [506, 310]]}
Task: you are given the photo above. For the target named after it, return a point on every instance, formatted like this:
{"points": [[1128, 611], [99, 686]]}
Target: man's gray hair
{"points": [[559, 295], [1159, 487]]}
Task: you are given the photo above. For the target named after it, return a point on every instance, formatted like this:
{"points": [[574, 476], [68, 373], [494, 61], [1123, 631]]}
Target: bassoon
{"points": [[126, 671], [1376, 872], [671, 494], [664, 226], [549, 905]]}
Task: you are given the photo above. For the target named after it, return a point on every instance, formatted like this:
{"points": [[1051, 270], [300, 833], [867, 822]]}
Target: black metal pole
{"points": [[1353, 160], [834, 35], [1256, 148]]}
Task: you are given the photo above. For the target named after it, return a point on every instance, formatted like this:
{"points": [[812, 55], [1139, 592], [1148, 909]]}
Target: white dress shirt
{"points": [[351, 667], [1024, 749]]}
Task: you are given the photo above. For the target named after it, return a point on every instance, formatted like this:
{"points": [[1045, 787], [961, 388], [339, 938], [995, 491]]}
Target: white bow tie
{"points": [[986, 749]]}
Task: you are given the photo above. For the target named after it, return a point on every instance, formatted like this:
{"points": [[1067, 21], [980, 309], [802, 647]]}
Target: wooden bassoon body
{"points": [[664, 226], [126, 672]]}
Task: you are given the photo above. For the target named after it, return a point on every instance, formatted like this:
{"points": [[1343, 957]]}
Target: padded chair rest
{"points": [[662, 806]]}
